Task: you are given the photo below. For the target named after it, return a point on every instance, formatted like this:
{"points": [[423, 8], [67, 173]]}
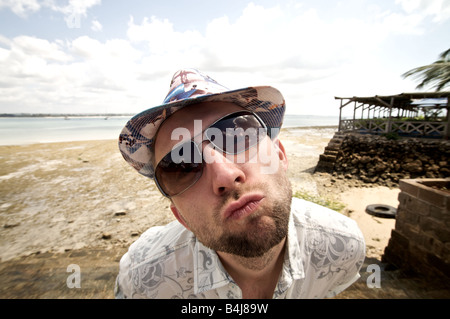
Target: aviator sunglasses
{"points": [[232, 134]]}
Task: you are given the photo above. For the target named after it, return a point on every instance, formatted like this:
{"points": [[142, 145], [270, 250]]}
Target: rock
{"points": [[365, 159], [413, 167], [380, 167], [374, 179], [106, 236], [10, 225], [375, 159], [434, 168], [120, 213], [365, 179], [430, 174]]}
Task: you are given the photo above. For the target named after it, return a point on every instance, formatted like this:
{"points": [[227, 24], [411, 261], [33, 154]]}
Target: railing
{"points": [[402, 128]]}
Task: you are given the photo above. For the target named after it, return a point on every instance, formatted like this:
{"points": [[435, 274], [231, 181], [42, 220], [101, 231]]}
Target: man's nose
{"points": [[224, 174]]}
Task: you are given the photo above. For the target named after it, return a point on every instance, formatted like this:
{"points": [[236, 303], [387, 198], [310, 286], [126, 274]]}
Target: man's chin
{"points": [[258, 237]]}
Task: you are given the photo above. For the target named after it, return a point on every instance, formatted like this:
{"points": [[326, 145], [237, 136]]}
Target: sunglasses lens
{"points": [[235, 134], [179, 169]]}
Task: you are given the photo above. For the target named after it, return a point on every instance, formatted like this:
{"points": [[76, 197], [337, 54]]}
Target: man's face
{"points": [[235, 207]]}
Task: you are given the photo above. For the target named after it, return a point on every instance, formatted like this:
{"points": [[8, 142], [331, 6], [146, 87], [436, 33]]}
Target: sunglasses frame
{"points": [[198, 147]]}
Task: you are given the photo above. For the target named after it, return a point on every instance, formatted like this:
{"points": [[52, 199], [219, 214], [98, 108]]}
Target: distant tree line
{"points": [[62, 115]]}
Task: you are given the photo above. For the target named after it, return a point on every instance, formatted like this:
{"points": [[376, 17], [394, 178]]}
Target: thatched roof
{"points": [[407, 101]]}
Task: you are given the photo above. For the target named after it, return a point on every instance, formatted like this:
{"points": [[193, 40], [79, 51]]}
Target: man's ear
{"points": [[281, 153], [178, 216]]}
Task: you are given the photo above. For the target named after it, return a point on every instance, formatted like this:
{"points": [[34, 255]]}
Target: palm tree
{"points": [[437, 74]]}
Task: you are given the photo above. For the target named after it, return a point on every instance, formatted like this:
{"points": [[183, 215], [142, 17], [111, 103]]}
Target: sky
{"points": [[112, 56]]}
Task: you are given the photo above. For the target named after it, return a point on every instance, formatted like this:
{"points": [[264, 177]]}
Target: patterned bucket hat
{"points": [[189, 86]]}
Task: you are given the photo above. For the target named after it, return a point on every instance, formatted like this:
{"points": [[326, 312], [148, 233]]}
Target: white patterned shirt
{"points": [[325, 251]]}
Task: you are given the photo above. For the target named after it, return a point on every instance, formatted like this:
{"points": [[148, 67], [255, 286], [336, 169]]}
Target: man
{"points": [[239, 233]]}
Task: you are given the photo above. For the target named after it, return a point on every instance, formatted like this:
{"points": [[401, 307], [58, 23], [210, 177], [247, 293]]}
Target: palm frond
{"points": [[445, 55], [436, 75]]}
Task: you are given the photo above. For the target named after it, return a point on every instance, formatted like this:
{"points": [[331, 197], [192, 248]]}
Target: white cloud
{"points": [[161, 36], [309, 58], [21, 7], [74, 8], [83, 75], [44, 49], [438, 9], [96, 26]]}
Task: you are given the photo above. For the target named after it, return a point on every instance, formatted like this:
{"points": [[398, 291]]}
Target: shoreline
{"points": [[56, 115], [64, 196], [316, 127], [68, 140]]}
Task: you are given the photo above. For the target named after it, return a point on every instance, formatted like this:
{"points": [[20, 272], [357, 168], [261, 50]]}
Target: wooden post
{"points": [[340, 110], [389, 125], [447, 128], [354, 116]]}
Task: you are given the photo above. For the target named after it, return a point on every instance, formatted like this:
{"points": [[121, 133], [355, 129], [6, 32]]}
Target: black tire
{"points": [[381, 210]]}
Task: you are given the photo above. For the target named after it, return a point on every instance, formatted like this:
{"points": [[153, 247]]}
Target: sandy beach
{"points": [[59, 197]]}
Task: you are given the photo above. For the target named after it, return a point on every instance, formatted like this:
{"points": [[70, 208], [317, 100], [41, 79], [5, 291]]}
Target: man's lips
{"points": [[244, 206]]}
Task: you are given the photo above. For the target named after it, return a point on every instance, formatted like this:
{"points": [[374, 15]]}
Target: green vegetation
{"points": [[436, 75], [337, 206], [391, 136]]}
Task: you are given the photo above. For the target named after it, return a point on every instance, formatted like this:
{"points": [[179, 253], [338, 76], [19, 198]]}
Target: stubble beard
{"points": [[265, 228]]}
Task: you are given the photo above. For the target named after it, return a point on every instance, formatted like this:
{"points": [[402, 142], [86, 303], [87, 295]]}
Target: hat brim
{"points": [[136, 141]]}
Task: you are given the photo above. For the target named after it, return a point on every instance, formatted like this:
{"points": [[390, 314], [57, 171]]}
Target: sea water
{"points": [[30, 130]]}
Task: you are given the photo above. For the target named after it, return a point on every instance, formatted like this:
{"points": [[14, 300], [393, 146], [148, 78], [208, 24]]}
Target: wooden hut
{"points": [[424, 114]]}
